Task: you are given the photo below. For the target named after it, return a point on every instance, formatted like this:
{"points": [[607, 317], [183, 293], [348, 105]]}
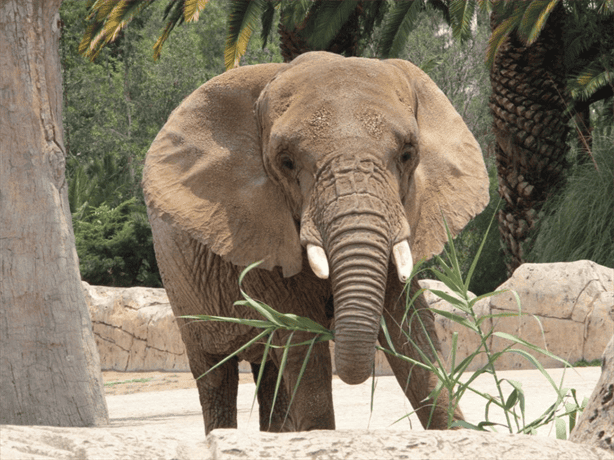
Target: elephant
{"points": [[336, 173]]}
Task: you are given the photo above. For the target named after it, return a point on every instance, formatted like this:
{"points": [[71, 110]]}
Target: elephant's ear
{"points": [[204, 174], [451, 179]]}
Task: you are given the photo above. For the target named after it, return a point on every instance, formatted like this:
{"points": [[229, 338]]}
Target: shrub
{"points": [[578, 222], [115, 246]]}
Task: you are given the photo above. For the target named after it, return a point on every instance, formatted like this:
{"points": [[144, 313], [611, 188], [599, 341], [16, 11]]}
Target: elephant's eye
{"points": [[287, 163], [405, 156]]}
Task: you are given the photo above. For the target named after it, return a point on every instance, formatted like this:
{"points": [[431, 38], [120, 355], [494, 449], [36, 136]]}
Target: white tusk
{"points": [[317, 260], [403, 260]]}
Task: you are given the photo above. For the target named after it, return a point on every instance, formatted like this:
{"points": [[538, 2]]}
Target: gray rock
{"points": [[596, 424], [135, 329], [564, 309], [384, 444], [29, 442]]}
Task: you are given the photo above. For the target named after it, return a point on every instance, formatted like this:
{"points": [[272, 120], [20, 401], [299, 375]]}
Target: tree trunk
{"points": [[49, 367], [527, 102], [596, 424]]}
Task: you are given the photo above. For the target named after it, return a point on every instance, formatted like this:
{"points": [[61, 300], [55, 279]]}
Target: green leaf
{"points": [[282, 366], [474, 263], [244, 347], [534, 19], [518, 340], [461, 14], [431, 64], [265, 354], [175, 17], [561, 429], [192, 9], [398, 25], [242, 20], [459, 303], [499, 35], [300, 375], [456, 318], [267, 21]]}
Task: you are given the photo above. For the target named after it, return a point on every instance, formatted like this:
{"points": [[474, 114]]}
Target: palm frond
{"points": [[294, 12], [100, 10], [108, 19], [499, 35], [175, 17], [485, 6], [328, 21], [267, 21], [590, 80], [461, 14], [242, 20], [398, 25], [192, 9], [606, 7], [534, 19]]}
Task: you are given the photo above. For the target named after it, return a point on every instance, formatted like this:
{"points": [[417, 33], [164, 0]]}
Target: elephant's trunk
{"points": [[352, 224], [359, 260]]}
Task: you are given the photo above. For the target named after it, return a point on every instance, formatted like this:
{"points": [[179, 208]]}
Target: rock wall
{"points": [[565, 308], [136, 331]]}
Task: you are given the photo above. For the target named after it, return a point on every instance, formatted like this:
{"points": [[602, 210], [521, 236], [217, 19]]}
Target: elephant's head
{"points": [[354, 160]]}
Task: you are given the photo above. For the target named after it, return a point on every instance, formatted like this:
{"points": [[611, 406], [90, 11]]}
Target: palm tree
{"points": [[538, 82]]}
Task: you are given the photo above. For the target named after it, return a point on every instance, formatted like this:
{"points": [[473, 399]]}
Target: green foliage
{"points": [[578, 223], [399, 25], [242, 20], [585, 363], [115, 246]]}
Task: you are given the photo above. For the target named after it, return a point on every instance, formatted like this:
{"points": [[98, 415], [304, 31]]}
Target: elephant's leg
{"points": [[417, 383], [271, 421], [217, 390], [312, 406]]}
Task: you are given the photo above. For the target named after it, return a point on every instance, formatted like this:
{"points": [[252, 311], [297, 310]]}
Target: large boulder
{"points": [[564, 309], [135, 329], [572, 302]]}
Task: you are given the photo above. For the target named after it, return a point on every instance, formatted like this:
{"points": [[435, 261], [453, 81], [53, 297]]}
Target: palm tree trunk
{"points": [[528, 104]]}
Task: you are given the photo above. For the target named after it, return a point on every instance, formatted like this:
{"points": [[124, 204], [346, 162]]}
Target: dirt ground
{"points": [[121, 383]]}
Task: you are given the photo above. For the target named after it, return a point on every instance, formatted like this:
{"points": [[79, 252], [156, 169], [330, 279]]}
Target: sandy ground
{"points": [[124, 383], [171, 397]]}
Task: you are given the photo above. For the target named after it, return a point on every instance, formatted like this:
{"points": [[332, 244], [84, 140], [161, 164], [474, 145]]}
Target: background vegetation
{"points": [[115, 105]]}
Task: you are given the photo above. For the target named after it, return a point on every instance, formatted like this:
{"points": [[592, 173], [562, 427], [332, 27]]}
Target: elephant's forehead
{"points": [[346, 97]]}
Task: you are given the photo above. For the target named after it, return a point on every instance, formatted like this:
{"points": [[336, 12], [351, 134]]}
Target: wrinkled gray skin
{"points": [[349, 155]]}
